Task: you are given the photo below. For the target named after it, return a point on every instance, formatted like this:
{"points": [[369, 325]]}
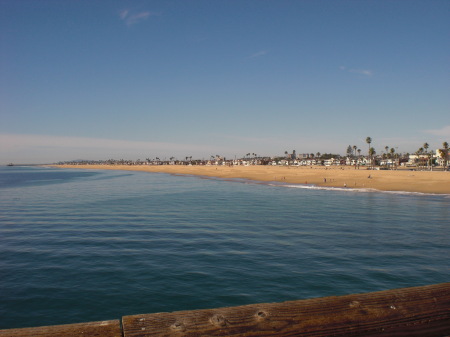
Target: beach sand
{"points": [[385, 180]]}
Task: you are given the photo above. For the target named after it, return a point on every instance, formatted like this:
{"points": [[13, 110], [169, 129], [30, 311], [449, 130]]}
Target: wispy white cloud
{"points": [[442, 132], [123, 14], [365, 72], [131, 17], [258, 54]]}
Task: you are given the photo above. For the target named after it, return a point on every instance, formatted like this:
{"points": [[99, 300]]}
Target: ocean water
{"points": [[87, 245]]}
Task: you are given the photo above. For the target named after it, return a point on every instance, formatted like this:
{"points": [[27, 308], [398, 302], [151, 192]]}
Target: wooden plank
{"points": [[91, 329], [418, 311]]}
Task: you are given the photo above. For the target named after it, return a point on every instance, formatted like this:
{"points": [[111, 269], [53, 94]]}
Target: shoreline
{"points": [[429, 182]]}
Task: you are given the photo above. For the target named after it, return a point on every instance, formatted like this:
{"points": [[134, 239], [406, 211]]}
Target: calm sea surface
{"points": [[87, 245]]}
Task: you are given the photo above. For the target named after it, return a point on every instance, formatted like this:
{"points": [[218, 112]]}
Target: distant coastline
{"points": [[435, 182]]}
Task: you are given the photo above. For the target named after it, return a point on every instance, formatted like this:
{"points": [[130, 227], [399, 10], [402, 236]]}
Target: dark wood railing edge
{"points": [[415, 311]]}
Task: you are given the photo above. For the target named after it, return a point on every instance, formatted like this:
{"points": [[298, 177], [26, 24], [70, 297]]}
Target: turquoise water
{"points": [[87, 245]]}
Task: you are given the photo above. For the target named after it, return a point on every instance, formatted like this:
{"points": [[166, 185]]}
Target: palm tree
{"points": [[354, 149], [425, 146], [359, 152], [418, 153], [318, 154], [372, 153], [386, 155], [392, 153], [430, 160], [368, 141], [444, 154]]}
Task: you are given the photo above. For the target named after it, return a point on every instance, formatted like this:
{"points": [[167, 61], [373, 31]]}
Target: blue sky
{"points": [[95, 79]]}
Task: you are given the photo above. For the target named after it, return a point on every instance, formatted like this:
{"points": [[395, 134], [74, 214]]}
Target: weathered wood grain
{"points": [[91, 329], [418, 311]]}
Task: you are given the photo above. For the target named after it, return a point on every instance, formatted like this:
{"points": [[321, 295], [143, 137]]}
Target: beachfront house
{"points": [[415, 159], [331, 161], [303, 156], [388, 162], [440, 158], [352, 161]]}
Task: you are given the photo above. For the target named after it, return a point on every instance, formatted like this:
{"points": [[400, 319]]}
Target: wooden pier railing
{"points": [[417, 311]]}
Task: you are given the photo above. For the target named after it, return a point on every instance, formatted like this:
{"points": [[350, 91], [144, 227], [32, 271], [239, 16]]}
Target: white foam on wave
{"points": [[314, 187], [358, 190], [323, 188]]}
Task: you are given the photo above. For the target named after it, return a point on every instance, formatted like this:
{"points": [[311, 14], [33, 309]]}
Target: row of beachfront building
{"points": [[415, 160]]}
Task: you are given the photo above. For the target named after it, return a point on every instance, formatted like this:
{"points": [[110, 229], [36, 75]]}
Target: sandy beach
{"points": [[396, 180]]}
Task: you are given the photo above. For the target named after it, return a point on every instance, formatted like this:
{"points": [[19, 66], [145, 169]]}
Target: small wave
{"points": [[359, 190], [322, 188], [310, 186]]}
